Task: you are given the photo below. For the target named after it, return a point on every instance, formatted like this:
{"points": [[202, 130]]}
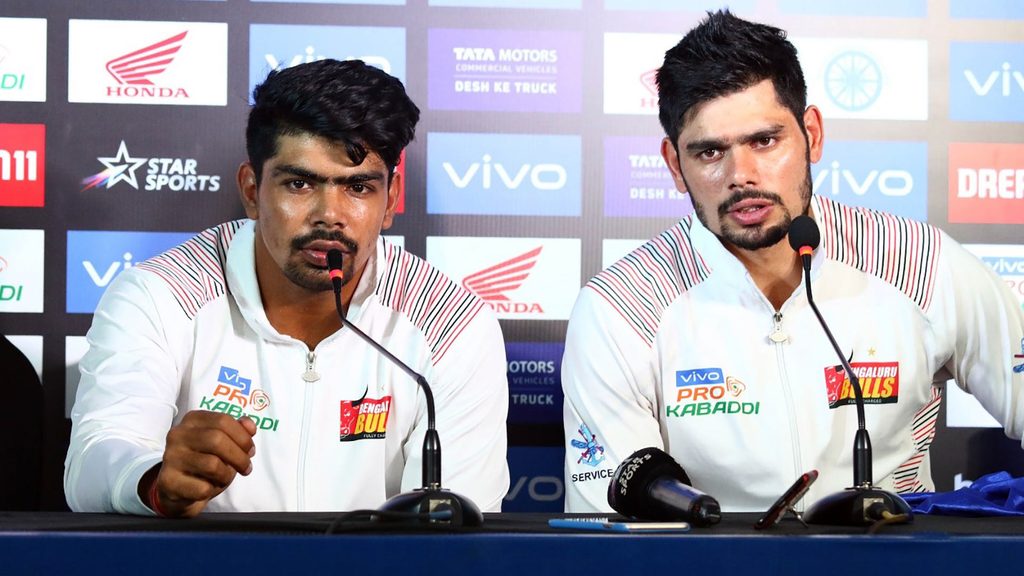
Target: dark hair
{"points": [[723, 55], [362, 107]]}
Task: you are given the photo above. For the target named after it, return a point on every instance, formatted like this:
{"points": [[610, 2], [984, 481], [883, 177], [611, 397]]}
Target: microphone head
{"points": [[334, 266], [804, 234], [628, 489], [334, 259]]}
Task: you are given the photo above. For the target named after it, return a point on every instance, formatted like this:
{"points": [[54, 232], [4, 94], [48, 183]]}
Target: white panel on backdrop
{"points": [[32, 348], [630, 63], [520, 278], [74, 348], [614, 248], [136, 62], [23, 59], [866, 77], [21, 270]]}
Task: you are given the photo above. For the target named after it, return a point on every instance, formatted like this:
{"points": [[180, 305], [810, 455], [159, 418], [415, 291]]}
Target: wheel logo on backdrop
{"points": [[853, 81]]}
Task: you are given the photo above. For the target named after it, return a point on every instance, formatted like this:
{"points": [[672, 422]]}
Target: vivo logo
{"points": [[310, 55], [887, 182], [1004, 78], [699, 376], [1005, 266], [22, 164], [541, 176], [103, 280], [539, 488]]}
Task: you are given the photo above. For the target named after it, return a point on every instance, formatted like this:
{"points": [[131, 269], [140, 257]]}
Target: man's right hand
{"points": [[201, 458]]}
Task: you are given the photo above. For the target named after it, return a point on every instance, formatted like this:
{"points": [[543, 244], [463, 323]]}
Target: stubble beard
{"points": [[313, 278], [759, 236]]}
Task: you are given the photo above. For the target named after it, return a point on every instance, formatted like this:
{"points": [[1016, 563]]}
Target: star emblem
{"points": [[871, 351], [121, 168]]}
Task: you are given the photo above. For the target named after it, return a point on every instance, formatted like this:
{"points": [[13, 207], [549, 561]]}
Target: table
{"points": [[507, 544]]}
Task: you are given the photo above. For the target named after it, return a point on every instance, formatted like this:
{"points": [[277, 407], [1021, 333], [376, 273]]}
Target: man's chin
{"points": [[754, 240]]}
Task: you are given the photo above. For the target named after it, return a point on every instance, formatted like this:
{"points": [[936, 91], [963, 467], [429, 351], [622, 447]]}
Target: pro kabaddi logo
{"points": [[708, 391], [235, 396], [879, 383], [364, 418]]}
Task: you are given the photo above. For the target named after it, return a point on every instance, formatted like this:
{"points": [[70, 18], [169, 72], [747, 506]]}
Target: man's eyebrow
{"points": [[357, 178], [697, 146]]}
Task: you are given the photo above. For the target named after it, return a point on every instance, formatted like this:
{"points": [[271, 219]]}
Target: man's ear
{"points": [[394, 195], [671, 157], [248, 190], [815, 130]]}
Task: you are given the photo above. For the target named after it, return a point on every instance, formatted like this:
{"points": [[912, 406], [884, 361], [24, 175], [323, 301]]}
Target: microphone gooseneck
{"points": [[804, 237], [432, 495], [861, 504]]}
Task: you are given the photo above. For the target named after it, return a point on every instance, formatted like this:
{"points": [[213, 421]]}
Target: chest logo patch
{"points": [[879, 382], [363, 419]]}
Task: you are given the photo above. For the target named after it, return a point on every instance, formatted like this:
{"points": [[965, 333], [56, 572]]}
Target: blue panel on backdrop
{"points": [[508, 174], [535, 381], [95, 257], [887, 176], [536, 477]]}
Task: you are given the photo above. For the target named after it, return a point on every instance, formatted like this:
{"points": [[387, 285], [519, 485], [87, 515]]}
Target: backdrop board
{"points": [[539, 142]]}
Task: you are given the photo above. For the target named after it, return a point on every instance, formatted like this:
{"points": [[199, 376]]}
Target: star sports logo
{"points": [[136, 67], [119, 168], [493, 284], [173, 174]]}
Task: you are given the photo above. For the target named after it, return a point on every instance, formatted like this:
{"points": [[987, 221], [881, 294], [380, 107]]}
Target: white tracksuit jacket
{"points": [[187, 330], [675, 347]]}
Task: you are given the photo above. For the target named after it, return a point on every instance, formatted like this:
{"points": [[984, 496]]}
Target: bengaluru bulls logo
{"points": [[363, 419], [879, 383]]}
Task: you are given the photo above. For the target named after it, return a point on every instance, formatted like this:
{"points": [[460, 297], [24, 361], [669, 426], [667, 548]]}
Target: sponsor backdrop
{"points": [[121, 128]]}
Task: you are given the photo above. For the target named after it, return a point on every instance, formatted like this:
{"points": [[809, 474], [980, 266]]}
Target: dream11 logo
{"points": [[22, 164], [986, 183]]}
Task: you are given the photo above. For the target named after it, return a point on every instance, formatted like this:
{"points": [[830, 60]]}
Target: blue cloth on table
{"points": [[996, 494]]}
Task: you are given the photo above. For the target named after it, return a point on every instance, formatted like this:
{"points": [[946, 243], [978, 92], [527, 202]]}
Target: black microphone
{"points": [[432, 497], [650, 485], [861, 504]]}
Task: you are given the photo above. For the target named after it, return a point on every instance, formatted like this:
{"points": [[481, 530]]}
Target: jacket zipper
{"points": [[779, 337], [309, 376]]}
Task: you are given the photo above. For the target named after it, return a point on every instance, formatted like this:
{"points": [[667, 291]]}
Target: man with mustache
{"points": [[219, 376], [701, 342]]}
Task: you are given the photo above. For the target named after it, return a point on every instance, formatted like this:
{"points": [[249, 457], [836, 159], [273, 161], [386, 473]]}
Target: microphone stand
{"points": [[862, 504], [431, 498]]}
